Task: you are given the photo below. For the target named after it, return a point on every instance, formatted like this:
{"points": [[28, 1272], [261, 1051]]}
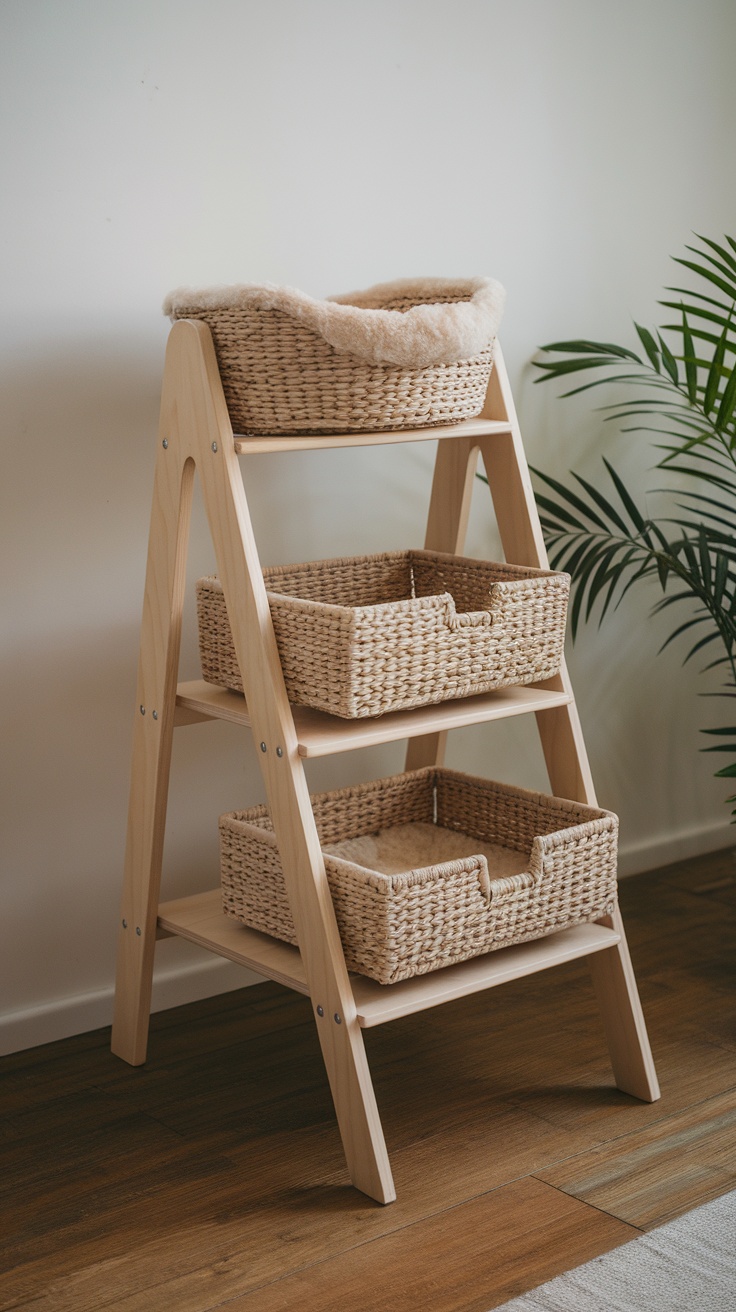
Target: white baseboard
{"points": [[665, 849], [76, 1014]]}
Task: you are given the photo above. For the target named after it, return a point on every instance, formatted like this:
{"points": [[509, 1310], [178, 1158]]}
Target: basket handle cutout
{"points": [[460, 619], [500, 889]]}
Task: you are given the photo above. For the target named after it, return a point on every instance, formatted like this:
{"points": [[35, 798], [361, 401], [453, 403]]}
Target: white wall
{"points": [[568, 149]]}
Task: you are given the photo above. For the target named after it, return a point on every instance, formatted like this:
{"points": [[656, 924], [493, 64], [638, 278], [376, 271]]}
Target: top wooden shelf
{"points": [[327, 441]]}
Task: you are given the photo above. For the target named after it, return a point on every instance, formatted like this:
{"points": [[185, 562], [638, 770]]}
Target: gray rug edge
{"points": [[686, 1265]]}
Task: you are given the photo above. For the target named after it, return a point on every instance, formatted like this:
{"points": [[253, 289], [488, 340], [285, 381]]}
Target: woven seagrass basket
{"points": [[407, 354], [363, 635], [431, 868]]}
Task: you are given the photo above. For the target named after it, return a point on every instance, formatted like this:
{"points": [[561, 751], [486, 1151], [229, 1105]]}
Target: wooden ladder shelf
{"points": [[196, 434]]}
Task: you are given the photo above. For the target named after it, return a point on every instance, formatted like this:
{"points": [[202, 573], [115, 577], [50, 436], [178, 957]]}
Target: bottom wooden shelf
{"points": [[201, 920]]}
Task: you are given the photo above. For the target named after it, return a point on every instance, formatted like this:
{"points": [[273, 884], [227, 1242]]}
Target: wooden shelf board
{"points": [[320, 735], [378, 1003], [327, 441], [201, 920], [197, 701]]}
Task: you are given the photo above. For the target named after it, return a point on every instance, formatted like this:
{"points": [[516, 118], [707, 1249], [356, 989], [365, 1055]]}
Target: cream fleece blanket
{"points": [[404, 848], [426, 335]]}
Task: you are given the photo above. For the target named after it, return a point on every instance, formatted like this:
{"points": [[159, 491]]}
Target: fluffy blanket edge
{"points": [[427, 334]]}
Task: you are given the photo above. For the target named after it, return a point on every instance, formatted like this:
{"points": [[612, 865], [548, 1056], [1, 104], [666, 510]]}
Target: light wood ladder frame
{"points": [[195, 434]]}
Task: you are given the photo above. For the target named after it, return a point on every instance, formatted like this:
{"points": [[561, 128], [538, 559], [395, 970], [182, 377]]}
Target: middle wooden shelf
{"points": [[322, 735]]}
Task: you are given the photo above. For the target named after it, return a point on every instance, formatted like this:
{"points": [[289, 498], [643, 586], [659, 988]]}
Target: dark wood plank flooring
{"points": [[213, 1177]]}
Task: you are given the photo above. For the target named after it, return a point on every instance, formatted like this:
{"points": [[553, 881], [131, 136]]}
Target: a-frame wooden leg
{"points": [[204, 432], [152, 740], [623, 1019], [447, 526], [562, 740]]}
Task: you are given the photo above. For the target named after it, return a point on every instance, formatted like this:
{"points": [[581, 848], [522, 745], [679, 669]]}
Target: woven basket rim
{"points": [[271, 573], [430, 333], [582, 812], [442, 600], [409, 554], [585, 820]]}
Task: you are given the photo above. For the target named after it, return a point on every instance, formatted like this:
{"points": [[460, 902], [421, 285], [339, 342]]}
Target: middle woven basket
{"points": [[364, 635]]}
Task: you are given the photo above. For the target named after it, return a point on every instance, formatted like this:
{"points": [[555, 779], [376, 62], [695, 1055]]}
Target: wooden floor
{"points": [[213, 1177]]}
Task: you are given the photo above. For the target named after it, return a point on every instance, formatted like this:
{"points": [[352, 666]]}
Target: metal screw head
{"points": [[165, 444], [125, 924], [338, 1019], [279, 751], [263, 747], [320, 1010], [142, 710], [138, 930], [155, 715], [214, 447]]}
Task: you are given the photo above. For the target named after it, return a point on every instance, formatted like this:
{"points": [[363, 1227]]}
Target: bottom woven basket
{"points": [[429, 868]]}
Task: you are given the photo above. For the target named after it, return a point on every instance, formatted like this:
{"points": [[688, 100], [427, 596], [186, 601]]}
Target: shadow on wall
{"points": [[78, 426], [67, 730]]}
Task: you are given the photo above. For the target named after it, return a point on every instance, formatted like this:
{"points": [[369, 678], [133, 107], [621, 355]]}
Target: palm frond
{"points": [[681, 388]]}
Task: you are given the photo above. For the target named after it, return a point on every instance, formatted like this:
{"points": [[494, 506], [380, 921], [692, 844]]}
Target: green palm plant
{"points": [[683, 392]]}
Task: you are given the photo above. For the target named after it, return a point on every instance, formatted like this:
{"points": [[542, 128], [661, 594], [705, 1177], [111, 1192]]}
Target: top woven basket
{"points": [[408, 354]]}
